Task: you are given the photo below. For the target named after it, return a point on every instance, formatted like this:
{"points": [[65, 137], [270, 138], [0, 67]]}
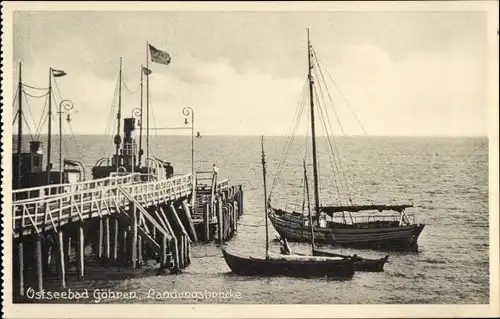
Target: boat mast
{"points": [[265, 196], [49, 142], [147, 104], [118, 118], [311, 226], [313, 132], [19, 128]]}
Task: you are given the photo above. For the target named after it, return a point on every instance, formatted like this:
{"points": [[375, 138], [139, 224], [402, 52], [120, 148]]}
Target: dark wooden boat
{"points": [[290, 265], [335, 224], [377, 234]]}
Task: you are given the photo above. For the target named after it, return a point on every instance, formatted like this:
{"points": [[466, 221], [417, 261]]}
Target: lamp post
{"points": [[137, 113], [68, 106], [189, 111]]}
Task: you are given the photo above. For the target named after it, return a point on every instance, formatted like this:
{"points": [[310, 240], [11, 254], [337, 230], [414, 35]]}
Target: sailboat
{"points": [[285, 264], [376, 232]]}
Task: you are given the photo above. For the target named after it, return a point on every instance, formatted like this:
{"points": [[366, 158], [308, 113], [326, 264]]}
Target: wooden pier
{"points": [[125, 220]]}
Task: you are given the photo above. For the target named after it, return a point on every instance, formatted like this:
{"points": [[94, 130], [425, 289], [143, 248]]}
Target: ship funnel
{"points": [[128, 128], [36, 147], [129, 146]]}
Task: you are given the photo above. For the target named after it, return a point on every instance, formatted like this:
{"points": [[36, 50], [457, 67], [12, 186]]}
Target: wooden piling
{"points": [[107, 239], [39, 268], [116, 234], [188, 253], [182, 251], [218, 208], [139, 251], [67, 243], [206, 222], [133, 246], [182, 231], [236, 215], [163, 245], [46, 256], [20, 266], [192, 230], [101, 239], [173, 244], [123, 244], [231, 219], [61, 269], [80, 246], [241, 201]]}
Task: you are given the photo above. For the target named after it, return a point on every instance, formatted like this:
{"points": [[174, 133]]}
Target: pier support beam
{"points": [[206, 222], [39, 267], [116, 234], [133, 246], [182, 231], [220, 225], [174, 247], [20, 267], [163, 253], [139, 251], [187, 212], [61, 268], [67, 243], [107, 248], [236, 214], [100, 239], [80, 247]]}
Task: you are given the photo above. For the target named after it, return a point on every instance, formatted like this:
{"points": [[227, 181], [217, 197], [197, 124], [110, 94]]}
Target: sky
{"points": [[402, 73]]}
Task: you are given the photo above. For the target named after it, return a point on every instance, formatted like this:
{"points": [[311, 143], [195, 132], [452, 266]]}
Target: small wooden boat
{"points": [[288, 264]]}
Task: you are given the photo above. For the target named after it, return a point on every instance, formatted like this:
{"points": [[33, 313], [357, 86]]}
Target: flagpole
{"points": [[147, 104], [140, 127], [49, 142]]}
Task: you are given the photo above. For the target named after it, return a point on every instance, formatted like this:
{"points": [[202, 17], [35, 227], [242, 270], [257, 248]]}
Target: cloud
{"points": [[243, 73]]}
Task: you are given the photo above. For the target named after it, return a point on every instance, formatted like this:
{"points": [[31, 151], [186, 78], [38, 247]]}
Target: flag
{"points": [[159, 56], [58, 73], [146, 71]]}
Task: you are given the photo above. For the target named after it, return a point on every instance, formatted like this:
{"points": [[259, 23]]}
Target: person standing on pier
{"points": [[215, 171]]}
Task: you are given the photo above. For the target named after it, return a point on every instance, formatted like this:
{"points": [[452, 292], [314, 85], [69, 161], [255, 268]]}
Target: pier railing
{"points": [[56, 189], [93, 198]]}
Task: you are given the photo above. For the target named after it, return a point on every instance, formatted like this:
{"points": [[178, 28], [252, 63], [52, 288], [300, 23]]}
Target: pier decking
{"points": [[126, 218]]}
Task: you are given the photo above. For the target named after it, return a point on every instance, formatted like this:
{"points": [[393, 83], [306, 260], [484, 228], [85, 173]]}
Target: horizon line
{"points": [[276, 135]]}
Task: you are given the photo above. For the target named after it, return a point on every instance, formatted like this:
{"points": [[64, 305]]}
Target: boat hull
{"points": [[369, 235], [360, 263], [342, 268]]}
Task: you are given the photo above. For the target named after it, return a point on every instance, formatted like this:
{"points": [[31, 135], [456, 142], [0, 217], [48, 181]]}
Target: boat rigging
{"points": [[292, 224]]}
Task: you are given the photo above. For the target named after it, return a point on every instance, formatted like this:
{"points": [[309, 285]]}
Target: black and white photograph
{"points": [[316, 157]]}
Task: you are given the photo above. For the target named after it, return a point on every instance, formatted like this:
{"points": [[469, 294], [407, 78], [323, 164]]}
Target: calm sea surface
{"points": [[446, 178]]}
